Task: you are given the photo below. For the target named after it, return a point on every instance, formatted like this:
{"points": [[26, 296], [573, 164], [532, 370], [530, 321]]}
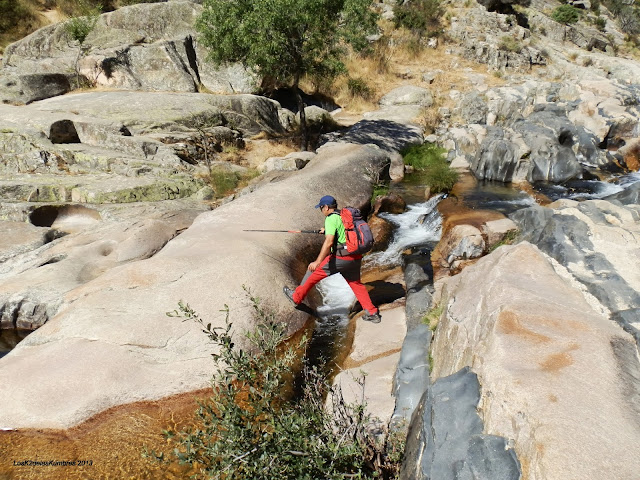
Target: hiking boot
{"points": [[375, 318], [289, 293]]}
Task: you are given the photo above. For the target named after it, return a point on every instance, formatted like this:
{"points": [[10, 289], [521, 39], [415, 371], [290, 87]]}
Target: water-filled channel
{"points": [[417, 231]]}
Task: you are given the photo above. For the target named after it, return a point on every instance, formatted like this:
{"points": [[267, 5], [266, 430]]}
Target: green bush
{"points": [[566, 14], [600, 23], [11, 13], [224, 181], [358, 87], [421, 17], [249, 430], [428, 160]]}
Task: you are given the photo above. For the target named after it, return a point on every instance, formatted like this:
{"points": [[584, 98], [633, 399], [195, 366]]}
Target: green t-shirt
{"points": [[333, 226]]}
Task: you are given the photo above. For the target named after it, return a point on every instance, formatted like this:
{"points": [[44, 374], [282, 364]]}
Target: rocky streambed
{"points": [[529, 368]]}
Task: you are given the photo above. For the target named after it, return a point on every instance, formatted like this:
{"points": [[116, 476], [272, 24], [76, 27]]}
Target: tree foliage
{"points": [[566, 14], [285, 40], [249, 429]]}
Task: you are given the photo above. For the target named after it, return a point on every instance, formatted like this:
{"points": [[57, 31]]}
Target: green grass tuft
{"points": [[428, 159]]}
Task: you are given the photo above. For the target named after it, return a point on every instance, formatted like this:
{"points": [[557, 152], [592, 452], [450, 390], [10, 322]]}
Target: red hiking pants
{"points": [[349, 267]]}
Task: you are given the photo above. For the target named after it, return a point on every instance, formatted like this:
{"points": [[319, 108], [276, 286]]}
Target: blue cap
{"points": [[326, 200]]}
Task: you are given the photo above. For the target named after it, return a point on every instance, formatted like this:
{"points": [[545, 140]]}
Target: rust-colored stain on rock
{"points": [[556, 362], [509, 323]]}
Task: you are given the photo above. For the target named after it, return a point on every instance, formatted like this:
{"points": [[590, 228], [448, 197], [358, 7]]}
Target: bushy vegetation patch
{"points": [[358, 87], [422, 17], [510, 44], [566, 14], [428, 160], [224, 180], [251, 429]]}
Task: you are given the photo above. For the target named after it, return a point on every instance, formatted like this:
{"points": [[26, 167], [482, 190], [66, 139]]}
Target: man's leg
{"points": [[350, 270], [363, 297], [311, 278]]}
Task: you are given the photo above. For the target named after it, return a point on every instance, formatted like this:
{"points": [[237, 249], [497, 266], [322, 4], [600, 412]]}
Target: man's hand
{"points": [[312, 266], [321, 231]]}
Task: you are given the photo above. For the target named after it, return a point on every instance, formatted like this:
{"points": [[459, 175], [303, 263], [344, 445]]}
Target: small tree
{"points": [[285, 40], [79, 27], [249, 429], [566, 14]]}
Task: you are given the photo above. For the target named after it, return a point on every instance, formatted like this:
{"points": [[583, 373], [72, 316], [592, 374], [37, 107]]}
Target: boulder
{"points": [[412, 375], [558, 377], [382, 231], [391, 203], [385, 134], [594, 240], [146, 46], [292, 161], [407, 95], [146, 354], [474, 109]]}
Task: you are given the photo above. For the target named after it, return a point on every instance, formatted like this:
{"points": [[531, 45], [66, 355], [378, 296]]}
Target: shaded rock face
{"points": [[543, 131], [446, 440], [555, 371], [385, 134], [595, 241], [147, 46]]}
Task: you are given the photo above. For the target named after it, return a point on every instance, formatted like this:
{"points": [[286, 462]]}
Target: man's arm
{"points": [[324, 251]]}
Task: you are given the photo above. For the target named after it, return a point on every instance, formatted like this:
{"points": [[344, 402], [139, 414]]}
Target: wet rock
{"points": [[412, 375], [445, 439], [382, 231], [391, 203], [418, 279], [628, 196]]}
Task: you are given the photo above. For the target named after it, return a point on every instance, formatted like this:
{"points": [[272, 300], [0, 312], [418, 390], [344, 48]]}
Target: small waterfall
{"points": [[419, 225]]}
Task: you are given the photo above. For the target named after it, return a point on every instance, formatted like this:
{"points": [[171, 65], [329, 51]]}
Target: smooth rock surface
{"points": [[557, 376]]}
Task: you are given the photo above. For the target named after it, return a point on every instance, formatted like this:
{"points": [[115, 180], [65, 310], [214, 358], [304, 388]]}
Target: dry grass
{"points": [[257, 151], [397, 62]]}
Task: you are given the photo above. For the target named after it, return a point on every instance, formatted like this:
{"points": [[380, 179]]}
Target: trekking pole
{"points": [[285, 231]]}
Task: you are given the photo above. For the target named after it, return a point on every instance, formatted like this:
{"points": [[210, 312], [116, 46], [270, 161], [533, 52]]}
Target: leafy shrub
{"points": [[224, 181], [422, 17], [629, 21], [11, 13], [510, 44], [600, 23], [358, 87], [248, 430], [428, 160], [566, 14]]}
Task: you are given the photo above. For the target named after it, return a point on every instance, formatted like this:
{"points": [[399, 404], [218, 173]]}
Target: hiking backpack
{"points": [[357, 231]]}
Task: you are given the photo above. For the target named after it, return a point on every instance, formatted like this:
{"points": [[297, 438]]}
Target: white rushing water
{"points": [[600, 189], [419, 225]]}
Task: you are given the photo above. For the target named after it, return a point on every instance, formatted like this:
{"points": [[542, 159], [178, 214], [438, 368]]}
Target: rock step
{"points": [[95, 188]]}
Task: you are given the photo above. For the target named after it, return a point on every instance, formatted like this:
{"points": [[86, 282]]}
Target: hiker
{"points": [[334, 259]]}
